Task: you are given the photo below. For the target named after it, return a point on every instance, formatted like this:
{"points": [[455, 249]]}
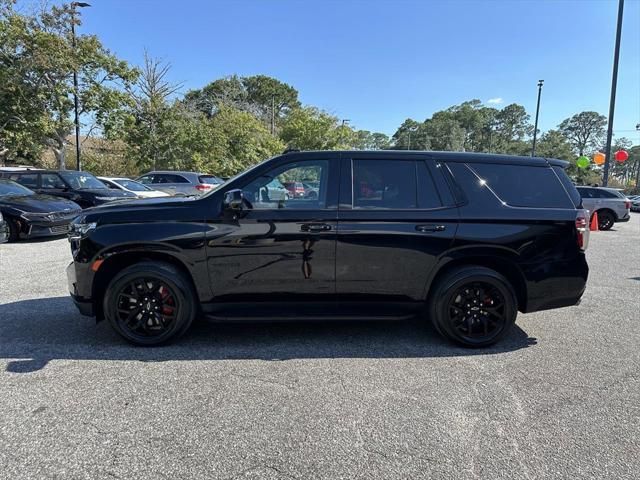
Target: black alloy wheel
{"points": [[146, 306], [473, 306], [150, 303], [476, 311]]}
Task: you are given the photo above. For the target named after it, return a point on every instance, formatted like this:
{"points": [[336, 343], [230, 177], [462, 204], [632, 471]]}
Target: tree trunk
{"points": [[60, 157]]}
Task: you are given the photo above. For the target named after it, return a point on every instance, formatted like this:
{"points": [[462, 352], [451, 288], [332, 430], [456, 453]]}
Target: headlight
{"points": [[79, 230]]}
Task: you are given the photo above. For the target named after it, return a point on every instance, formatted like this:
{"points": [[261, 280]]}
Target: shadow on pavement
{"points": [[34, 332]]}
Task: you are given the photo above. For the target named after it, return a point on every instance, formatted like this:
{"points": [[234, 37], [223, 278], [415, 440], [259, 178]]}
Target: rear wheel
{"points": [[473, 306], [150, 303], [605, 220]]}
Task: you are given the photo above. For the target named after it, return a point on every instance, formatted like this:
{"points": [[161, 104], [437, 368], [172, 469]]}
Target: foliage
{"points": [[585, 131], [310, 128]]}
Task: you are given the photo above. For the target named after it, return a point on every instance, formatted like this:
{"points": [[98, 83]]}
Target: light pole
{"points": [[535, 128], [612, 102], [75, 5]]}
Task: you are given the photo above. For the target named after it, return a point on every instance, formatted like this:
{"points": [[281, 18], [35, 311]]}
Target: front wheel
{"points": [[150, 303], [473, 306]]}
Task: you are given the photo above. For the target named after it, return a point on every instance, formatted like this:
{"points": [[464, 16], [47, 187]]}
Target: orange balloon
{"points": [[599, 158]]}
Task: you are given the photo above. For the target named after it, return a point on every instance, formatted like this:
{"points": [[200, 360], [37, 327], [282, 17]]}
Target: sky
{"points": [[378, 62]]}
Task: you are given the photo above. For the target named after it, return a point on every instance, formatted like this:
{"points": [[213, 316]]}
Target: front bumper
{"points": [[39, 228], [84, 304]]}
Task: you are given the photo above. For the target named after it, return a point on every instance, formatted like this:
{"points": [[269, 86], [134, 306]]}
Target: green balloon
{"points": [[583, 162]]}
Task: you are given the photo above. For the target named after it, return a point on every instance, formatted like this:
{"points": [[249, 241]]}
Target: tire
{"points": [[162, 303], [14, 230], [480, 324], [605, 220]]}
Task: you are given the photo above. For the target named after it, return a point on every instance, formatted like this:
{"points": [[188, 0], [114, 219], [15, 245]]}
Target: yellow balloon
{"points": [[599, 158]]}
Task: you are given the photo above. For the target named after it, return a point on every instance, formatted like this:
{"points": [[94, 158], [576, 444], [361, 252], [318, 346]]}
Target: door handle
{"points": [[315, 227], [431, 228]]}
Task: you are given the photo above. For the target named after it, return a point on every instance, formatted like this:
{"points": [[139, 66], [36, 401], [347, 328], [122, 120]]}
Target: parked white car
{"points": [[128, 185]]}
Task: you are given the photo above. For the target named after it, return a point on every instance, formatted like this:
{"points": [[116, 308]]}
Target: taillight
{"points": [[627, 204], [203, 187], [582, 228]]}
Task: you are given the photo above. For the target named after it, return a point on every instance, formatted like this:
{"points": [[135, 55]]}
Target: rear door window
{"points": [[29, 180], [384, 184], [523, 185], [51, 180]]}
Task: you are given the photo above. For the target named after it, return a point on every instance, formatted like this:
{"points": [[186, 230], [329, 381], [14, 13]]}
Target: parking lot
{"points": [[559, 398]]}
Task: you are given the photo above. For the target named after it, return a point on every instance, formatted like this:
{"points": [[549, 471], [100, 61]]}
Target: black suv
{"points": [[468, 239], [81, 187]]}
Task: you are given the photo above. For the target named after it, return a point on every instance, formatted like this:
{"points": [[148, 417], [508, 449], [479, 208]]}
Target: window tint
{"points": [[386, 184], [29, 180], [568, 186], [51, 180], [168, 178], [209, 180], [283, 187], [600, 193], [586, 192], [523, 185], [146, 180], [427, 193]]}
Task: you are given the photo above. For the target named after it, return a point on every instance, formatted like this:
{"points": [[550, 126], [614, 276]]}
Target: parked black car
{"points": [[80, 187], [29, 215], [469, 239]]}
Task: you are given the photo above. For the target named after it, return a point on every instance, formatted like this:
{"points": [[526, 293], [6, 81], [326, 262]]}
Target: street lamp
{"points": [[75, 5], [535, 128]]}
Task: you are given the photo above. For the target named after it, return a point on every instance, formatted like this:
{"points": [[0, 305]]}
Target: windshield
{"points": [[9, 187], [131, 185], [82, 181]]}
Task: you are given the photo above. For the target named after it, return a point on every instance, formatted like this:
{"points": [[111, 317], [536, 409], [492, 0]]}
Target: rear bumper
{"points": [[626, 218], [556, 284]]}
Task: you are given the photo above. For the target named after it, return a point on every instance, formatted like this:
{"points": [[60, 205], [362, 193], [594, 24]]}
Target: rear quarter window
{"points": [[523, 185]]}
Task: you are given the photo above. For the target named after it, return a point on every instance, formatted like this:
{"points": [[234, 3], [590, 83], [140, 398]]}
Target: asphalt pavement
{"points": [[558, 398]]}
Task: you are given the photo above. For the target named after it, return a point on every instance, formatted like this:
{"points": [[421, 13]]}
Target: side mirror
{"points": [[234, 199]]}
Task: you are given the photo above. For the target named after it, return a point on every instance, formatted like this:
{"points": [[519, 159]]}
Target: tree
{"points": [[444, 133], [365, 140], [585, 131], [41, 53], [408, 136], [309, 128], [553, 144], [224, 92], [271, 98], [267, 98], [242, 141]]}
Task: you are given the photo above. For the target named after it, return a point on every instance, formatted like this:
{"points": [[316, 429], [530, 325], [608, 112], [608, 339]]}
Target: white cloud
{"points": [[496, 100]]}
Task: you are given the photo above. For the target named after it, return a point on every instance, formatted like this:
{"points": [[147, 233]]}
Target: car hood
{"points": [[146, 210], [38, 203]]}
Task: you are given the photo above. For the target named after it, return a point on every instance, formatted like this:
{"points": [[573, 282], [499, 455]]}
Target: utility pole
{"points": [[273, 115], [535, 128], [612, 102], [75, 5]]}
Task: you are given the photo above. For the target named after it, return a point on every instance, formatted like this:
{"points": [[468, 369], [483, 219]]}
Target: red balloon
{"points": [[621, 155]]}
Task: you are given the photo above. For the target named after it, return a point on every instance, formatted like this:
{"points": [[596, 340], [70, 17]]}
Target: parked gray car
{"points": [[635, 203], [180, 183], [611, 204]]}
